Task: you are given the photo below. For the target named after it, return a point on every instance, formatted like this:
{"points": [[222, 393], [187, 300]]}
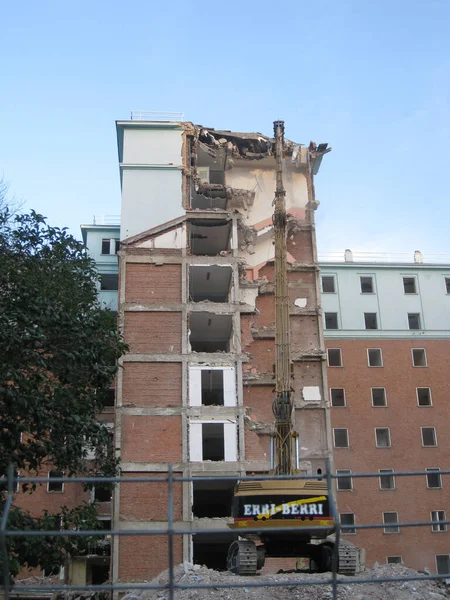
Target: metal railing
{"points": [[156, 115], [350, 256], [333, 580], [106, 220]]}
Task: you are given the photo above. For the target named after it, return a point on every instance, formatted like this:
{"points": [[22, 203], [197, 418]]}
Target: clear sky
{"points": [[370, 77]]}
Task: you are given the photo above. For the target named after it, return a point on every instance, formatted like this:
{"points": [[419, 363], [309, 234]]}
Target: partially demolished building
{"points": [[196, 306]]}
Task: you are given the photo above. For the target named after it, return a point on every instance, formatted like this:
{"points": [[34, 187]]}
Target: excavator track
{"points": [[348, 558], [242, 558]]}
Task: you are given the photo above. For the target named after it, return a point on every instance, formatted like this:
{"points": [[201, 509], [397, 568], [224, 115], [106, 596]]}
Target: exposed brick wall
{"points": [[143, 557], [259, 399], [147, 283], [411, 498], [151, 439], [153, 332], [257, 446], [300, 247], [304, 333], [148, 501], [152, 384]]}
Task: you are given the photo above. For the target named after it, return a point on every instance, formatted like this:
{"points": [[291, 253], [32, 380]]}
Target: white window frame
{"points": [[417, 397], [335, 366], [354, 523], [376, 440], [331, 398], [435, 436], [346, 473], [388, 525], [420, 328], [334, 437], [333, 277], [385, 396], [373, 285], [425, 355], [416, 285], [434, 471], [61, 491], [386, 473], [381, 356], [435, 521], [229, 384], [230, 436], [377, 321]]}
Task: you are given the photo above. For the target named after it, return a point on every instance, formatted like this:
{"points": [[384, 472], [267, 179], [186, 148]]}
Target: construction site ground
{"points": [[189, 574]]}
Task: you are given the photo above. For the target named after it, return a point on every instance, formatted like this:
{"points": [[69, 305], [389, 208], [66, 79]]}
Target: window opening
{"points": [[387, 481], [414, 320], [212, 550], [106, 245], [366, 285], [213, 441], [344, 483], [383, 437], [212, 387], [334, 357], [331, 321], [340, 438], [212, 499], [210, 332], [109, 282], [394, 560], [55, 486], [428, 436], [116, 246], [433, 478], [102, 493], [409, 285], [328, 286], [447, 285], [209, 237], [347, 520], [337, 397], [443, 564], [210, 282], [378, 397], [110, 398], [436, 516], [423, 396], [391, 518], [370, 320], [419, 357], [375, 357]]}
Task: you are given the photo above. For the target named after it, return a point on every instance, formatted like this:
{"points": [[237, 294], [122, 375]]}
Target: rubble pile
{"points": [[193, 575]]}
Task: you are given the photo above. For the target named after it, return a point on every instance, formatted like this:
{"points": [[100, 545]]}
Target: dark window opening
{"points": [[394, 560], [447, 284], [116, 246], [212, 499], [99, 574], [212, 550], [391, 518], [102, 493], [387, 479], [429, 436], [347, 520], [366, 285], [414, 320], [55, 486], [213, 441], [370, 320], [110, 398], [344, 482], [212, 387], [334, 357], [109, 282], [209, 237], [106, 246], [375, 358], [424, 396], [210, 332], [383, 437], [331, 321], [433, 478], [378, 397], [419, 357], [443, 564], [337, 397], [328, 286], [209, 283], [409, 285], [341, 438]]}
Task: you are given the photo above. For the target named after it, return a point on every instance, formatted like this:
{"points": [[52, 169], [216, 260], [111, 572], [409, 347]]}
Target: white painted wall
{"points": [[144, 146], [195, 385], [195, 440]]}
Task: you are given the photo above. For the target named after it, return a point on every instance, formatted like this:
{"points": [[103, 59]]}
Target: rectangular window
{"points": [[344, 482], [55, 486], [334, 357], [328, 286], [340, 438], [443, 564], [212, 387], [447, 285], [394, 560], [378, 397], [387, 480], [370, 320], [383, 437], [423, 396], [375, 358], [106, 246], [391, 518], [428, 436], [419, 357], [213, 441], [347, 520], [414, 320], [434, 480], [366, 285], [409, 285], [331, 321], [109, 282], [116, 246], [436, 516], [337, 396]]}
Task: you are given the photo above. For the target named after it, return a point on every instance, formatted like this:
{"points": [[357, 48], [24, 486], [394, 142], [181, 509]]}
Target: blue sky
{"points": [[371, 78]]}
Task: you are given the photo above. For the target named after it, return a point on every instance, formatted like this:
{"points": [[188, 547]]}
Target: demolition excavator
{"points": [[274, 505]]}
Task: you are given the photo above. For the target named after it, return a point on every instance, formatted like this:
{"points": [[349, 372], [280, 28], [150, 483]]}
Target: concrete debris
{"points": [[251, 146], [192, 575], [246, 238]]}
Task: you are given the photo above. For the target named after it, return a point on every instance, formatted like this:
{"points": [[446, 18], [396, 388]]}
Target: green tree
{"points": [[58, 357]]}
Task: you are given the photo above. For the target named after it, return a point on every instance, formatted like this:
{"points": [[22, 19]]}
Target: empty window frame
{"points": [[331, 320], [374, 357], [337, 396], [212, 282], [109, 282], [334, 356], [434, 480], [344, 482], [347, 520], [394, 560], [419, 357], [110, 398], [429, 438], [101, 493], [382, 437], [378, 397], [210, 332], [212, 386], [391, 519], [370, 321], [340, 438], [443, 564], [409, 285], [55, 486], [110, 246], [414, 321], [436, 516], [328, 284], [387, 479], [212, 499], [215, 441], [423, 396], [366, 285], [447, 285]]}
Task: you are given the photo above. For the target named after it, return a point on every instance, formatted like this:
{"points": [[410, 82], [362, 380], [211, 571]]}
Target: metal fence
{"points": [[333, 580]]}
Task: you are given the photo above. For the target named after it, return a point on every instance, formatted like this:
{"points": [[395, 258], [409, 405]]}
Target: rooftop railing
{"points": [[416, 257], [106, 219], [156, 115]]}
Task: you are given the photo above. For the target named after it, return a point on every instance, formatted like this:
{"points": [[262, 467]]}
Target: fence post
{"points": [[337, 528], [3, 524], [170, 531]]}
